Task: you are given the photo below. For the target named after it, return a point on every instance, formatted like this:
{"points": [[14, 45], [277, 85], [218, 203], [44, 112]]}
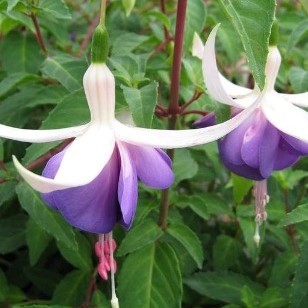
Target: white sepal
{"points": [[36, 136], [300, 99], [197, 46]]}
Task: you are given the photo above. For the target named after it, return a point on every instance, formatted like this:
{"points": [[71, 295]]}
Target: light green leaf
{"points": [[299, 214], [142, 103], [139, 236], [299, 79], [184, 166], [82, 258], [241, 187], [65, 69], [189, 240], [128, 6], [20, 53], [274, 298], [223, 286], [153, 278], [71, 291], [248, 297], [37, 241], [14, 80], [195, 20], [11, 4], [46, 218], [299, 296], [254, 32], [298, 34], [225, 252], [193, 69], [57, 8]]}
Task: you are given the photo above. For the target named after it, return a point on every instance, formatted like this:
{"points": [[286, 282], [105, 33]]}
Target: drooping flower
{"points": [[274, 136]]}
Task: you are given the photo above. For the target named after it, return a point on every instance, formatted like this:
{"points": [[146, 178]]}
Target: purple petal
{"points": [[285, 156], [128, 186], [93, 207], [268, 150], [252, 140], [208, 120], [298, 145], [230, 146], [153, 166]]}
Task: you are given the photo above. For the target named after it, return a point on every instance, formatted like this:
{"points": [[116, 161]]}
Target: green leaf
{"points": [[299, 79], [196, 203], [147, 232], [195, 20], [193, 68], [14, 80], [299, 214], [11, 4], [7, 191], [99, 300], [128, 6], [12, 233], [299, 296], [71, 291], [225, 252], [223, 286], [20, 53], [298, 34], [65, 69], [189, 240], [82, 258], [274, 298], [46, 218], [248, 297], [184, 166], [57, 8], [241, 187], [4, 286], [254, 32], [150, 277], [142, 103], [37, 241]]}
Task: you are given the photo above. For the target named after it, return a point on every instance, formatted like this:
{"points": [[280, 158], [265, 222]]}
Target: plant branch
{"points": [[38, 33], [195, 96], [200, 112], [173, 109]]}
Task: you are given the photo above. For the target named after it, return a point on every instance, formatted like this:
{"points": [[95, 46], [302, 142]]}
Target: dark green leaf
{"points": [[254, 32], [141, 235], [223, 286], [298, 34], [7, 191], [299, 79], [274, 298], [153, 278], [189, 240], [100, 300], [46, 218]]}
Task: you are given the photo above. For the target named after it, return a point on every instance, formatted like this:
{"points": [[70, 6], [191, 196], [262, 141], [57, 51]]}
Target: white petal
{"points": [[82, 162], [169, 139], [286, 117], [197, 46], [300, 99], [31, 135], [211, 74], [233, 89], [87, 155]]}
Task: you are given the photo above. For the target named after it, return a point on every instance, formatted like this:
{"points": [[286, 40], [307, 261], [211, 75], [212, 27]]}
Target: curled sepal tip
{"points": [[100, 45]]}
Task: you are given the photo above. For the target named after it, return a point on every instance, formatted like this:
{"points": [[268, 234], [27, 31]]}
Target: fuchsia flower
{"points": [[274, 136]]}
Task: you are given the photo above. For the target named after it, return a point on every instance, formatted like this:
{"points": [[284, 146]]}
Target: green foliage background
{"points": [[206, 257]]}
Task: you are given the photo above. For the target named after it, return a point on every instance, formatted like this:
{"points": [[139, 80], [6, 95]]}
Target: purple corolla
{"points": [[274, 136]]}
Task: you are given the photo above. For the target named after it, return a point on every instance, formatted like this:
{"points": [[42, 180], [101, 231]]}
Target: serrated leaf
{"points": [[189, 240], [37, 240], [299, 214], [299, 79], [139, 236], [223, 286], [184, 165], [65, 69], [299, 296], [20, 53], [254, 32], [14, 80], [46, 218], [12, 233], [154, 271], [72, 289], [57, 8], [82, 258], [298, 34], [142, 103], [225, 252]]}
